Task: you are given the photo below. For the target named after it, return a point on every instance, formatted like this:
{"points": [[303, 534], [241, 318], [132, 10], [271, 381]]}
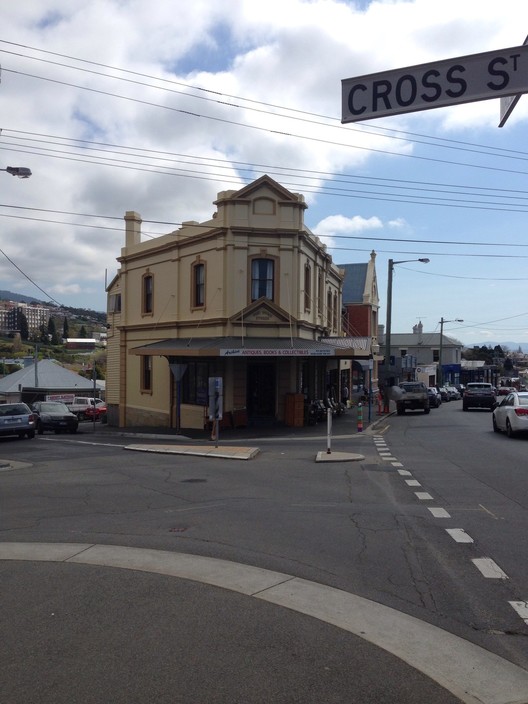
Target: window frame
{"points": [[269, 281], [307, 287], [198, 287], [147, 294], [146, 374]]}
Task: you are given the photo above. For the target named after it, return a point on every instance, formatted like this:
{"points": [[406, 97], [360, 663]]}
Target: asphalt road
{"points": [[355, 527]]}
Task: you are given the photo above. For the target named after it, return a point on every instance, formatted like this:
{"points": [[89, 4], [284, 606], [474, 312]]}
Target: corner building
{"points": [[250, 296]]}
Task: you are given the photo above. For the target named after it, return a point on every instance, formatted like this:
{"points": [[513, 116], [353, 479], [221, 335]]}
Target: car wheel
{"points": [[20, 435], [427, 410], [40, 429], [509, 430], [31, 434], [73, 430], [400, 410], [464, 408]]}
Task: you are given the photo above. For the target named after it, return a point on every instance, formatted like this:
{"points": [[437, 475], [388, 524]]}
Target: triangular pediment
{"points": [[265, 184], [262, 312]]}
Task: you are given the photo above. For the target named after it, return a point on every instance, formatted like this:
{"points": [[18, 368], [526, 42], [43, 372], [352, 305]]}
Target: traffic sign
{"points": [[466, 79], [508, 102]]}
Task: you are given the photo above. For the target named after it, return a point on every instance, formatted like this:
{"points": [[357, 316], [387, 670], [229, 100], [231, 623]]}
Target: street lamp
{"points": [[20, 171], [440, 370], [392, 264]]}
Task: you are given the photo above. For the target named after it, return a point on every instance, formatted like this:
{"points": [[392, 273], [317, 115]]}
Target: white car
{"points": [[511, 414]]}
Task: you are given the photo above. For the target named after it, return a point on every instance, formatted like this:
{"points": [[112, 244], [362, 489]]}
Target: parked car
{"points": [[17, 419], [56, 416], [479, 394], [511, 414], [444, 395], [435, 399], [505, 390], [98, 410], [454, 394]]}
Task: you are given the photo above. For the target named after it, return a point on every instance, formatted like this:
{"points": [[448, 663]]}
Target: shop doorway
{"points": [[261, 392]]}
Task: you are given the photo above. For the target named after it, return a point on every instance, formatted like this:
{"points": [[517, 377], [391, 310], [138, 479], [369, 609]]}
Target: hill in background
{"points": [[83, 314]]}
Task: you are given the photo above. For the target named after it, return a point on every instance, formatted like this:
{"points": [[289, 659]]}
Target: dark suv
{"points": [[479, 394]]}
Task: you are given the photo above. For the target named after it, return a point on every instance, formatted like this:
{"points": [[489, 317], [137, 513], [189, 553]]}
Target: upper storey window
{"points": [[262, 278], [148, 294], [198, 285]]}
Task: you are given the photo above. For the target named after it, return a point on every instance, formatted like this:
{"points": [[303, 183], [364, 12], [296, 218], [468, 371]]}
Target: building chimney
{"points": [[132, 228]]}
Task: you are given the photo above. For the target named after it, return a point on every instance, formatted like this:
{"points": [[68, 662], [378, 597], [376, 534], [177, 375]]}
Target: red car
{"points": [[99, 410]]}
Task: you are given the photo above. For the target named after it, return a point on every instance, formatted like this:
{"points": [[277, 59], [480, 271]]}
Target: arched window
{"points": [[307, 287], [262, 278], [148, 294], [329, 309], [198, 285]]}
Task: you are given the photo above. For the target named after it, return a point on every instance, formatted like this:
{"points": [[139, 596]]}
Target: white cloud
{"points": [[241, 57]]}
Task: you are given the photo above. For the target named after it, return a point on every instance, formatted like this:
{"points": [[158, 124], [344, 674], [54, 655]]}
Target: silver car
{"points": [[17, 419], [511, 414]]}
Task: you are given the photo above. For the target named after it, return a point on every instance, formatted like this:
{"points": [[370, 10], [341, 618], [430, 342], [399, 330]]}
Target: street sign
{"points": [[508, 102], [466, 79]]}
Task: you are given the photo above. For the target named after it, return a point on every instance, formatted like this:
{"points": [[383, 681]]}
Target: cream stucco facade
{"points": [[251, 296]]}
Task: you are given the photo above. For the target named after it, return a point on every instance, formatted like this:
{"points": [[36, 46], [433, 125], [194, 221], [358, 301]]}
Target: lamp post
{"points": [[440, 370], [20, 171], [392, 264]]}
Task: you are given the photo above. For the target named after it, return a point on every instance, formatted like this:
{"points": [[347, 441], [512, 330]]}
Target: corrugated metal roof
{"points": [[50, 375], [354, 283]]}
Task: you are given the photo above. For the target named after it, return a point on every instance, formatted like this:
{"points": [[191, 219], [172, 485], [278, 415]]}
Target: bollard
{"points": [[328, 431], [360, 418]]}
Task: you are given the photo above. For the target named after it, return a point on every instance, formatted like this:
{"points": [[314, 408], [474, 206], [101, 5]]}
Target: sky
{"points": [[119, 105]]}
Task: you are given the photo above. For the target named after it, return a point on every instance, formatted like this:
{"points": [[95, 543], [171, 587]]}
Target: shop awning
{"points": [[344, 347]]}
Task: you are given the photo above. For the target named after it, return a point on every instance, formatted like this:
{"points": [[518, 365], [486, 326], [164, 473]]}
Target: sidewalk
{"points": [[354, 421]]}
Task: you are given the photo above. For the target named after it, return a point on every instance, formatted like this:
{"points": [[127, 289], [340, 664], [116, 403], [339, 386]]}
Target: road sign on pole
{"points": [[493, 74], [508, 103]]}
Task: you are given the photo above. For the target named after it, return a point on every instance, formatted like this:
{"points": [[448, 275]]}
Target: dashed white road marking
{"points": [[397, 464], [404, 473], [439, 512], [522, 609], [423, 496], [489, 568], [459, 535], [384, 457], [412, 482]]}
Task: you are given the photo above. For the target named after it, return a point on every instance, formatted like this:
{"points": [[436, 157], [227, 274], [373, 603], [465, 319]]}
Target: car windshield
{"points": [[54, 407], [411, 387], [479, 386], [14, 409]]}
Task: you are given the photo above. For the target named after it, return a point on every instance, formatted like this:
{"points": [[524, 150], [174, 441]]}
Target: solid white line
{"points": [[423, 496], [412, 482], [469, 672], [439, 512], [459, 535], [489, 568]]}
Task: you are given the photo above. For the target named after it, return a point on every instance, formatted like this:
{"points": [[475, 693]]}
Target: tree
{"points": [[82, 332], [52, 332], [22, 325], [65, 329]]}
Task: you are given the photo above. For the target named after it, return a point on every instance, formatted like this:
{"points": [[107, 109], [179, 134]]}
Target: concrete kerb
{"points": [[225, 452]]}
